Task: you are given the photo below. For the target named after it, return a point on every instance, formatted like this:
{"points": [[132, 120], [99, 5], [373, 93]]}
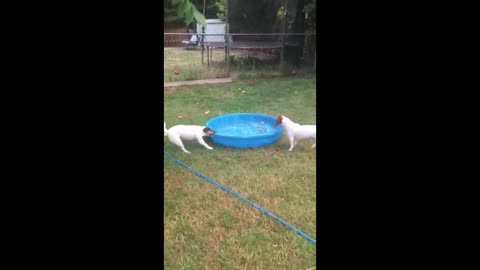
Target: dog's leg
{"points": [[180, 145], [184, 150], [178, 142], [292, 142], [314, 142], [202, 142]]}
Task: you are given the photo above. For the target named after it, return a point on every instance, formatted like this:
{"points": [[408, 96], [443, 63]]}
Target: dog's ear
{"points": [[279, 120], [208, 131]]}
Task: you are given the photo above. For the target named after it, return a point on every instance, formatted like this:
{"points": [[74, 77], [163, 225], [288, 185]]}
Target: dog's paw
{"points": [[210, 148], [313, 146]]}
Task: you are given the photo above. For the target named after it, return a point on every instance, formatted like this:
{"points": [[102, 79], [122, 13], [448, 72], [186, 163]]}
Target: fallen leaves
{"points": [[201, 104]]}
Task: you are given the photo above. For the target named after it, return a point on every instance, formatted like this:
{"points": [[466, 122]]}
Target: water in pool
{"points": [[245, 129]]}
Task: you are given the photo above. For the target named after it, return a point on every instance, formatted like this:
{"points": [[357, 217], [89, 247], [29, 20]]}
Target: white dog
{"points": [[177, 133], [296, 132]]}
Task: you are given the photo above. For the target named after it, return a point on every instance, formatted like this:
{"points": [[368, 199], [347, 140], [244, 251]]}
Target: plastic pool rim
{"points": [[274, 135]]}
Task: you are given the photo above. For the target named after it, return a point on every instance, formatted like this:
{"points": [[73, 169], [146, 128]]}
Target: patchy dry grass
{"points": [[188, 65], [207, 228]]}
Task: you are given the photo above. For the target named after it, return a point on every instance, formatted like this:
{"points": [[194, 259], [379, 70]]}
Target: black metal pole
{"points": [[201, 41], [283, 32], [203, 31], [227, 37], [315, 30]]}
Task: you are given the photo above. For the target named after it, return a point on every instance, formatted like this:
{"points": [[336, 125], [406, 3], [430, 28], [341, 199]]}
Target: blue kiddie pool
{"points": [[245, 130]]}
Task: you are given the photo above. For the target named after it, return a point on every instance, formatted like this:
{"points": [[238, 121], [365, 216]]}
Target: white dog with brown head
{"points": [[188, 132], [296, 132]]}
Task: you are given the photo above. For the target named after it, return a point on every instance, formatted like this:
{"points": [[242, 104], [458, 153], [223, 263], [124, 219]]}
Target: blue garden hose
{"points": [[266, 212]]}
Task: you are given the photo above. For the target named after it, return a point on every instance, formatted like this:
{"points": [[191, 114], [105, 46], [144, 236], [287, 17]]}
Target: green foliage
{"points": [[310, 10], [220, 7], [170, 15], [281, 12], [187, 10]]}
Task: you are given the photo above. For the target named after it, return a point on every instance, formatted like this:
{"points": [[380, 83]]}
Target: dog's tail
{"points": [[165, 130]]}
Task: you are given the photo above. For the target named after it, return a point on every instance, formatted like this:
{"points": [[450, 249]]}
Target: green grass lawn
{"points": [[189, 65], [207, 228]]}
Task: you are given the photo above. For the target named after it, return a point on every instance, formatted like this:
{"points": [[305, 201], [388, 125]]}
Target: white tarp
{"points": [[214, 26]]}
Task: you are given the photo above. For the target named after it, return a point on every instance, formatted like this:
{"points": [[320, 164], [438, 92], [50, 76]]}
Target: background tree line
{"points": [[250, 16]]}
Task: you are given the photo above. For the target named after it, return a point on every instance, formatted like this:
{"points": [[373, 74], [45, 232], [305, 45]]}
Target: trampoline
{"points": [[243, 45]]}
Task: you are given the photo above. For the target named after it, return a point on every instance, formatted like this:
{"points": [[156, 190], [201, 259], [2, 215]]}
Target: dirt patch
{"points": [[214, 241], [169, 91]]}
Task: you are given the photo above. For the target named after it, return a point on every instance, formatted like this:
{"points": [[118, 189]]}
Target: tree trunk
{"points": [[294, 51]]}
